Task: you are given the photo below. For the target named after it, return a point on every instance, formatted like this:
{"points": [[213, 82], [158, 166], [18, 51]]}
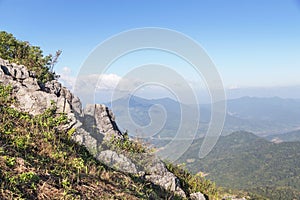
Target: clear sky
{"points": [[252, 42]]}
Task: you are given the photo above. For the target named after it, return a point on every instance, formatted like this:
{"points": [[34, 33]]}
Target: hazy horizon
{"points": [[252, 43]]}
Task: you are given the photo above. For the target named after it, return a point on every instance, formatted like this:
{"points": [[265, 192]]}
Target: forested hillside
{"points": [[244, 161]]}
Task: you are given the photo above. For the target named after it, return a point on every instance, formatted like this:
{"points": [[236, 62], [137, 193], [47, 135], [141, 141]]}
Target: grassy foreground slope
{"points": [[40, 161], [37, 161]]}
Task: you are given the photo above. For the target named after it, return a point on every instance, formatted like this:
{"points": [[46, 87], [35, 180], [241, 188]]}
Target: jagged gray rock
{"points": [[158, 174], [92, 125], [101, 119], [197, 196], [118, 161], [33, 97]]}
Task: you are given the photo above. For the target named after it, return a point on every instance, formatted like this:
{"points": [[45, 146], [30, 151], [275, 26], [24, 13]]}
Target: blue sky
{"points": [[252, 43]]}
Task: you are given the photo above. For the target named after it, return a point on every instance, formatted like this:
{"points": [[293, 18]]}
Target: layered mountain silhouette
{"points": [[262, 116]]}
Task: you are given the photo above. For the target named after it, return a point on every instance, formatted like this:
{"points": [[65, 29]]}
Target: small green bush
{"points": [[125, 144], [193, 183]]}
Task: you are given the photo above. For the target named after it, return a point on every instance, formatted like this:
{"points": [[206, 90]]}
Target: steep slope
{"points": [[50, 143], [37, 161], [93, 127]]}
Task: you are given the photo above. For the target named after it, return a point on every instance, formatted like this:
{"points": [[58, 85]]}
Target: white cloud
{"points": [[111, 86], [101, 82], [107, 81], [66, 78]]}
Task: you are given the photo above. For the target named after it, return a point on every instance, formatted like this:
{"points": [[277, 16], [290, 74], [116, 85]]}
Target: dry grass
{"points": [[39, 162]]}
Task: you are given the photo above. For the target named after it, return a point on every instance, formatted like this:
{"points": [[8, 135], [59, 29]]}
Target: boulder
{"points": [[197, 196], [101, 119], [158, 174], [117, 161]]}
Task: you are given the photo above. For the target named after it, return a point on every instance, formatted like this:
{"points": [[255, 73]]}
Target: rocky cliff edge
{"points": [[91, 126]]}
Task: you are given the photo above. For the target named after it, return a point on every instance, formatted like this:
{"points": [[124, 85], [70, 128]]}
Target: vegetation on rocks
{"points": [[194, 183], [40, 160], [125, 145], [37, 161], [21, 52]]}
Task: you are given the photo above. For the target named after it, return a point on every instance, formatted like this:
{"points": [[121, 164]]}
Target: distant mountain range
{"points": [[285, 137], [262, 116], [242, 160], [138, 111], [245, 161]]}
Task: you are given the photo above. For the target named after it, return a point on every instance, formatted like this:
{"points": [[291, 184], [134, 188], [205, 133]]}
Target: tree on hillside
{"points": [[21, 52]]}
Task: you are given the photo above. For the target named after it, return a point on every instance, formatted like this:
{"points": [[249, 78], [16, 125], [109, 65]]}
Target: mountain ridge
{"points": [[262, 116], [245, 161]]}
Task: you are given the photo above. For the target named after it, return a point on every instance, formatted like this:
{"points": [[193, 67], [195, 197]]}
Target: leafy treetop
{"points": [[21, 52]]}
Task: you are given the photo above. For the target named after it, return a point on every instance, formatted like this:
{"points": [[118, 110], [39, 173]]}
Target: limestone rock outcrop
{"points": [[158, 174], [118, 161], [91, 125], [197, 196]]}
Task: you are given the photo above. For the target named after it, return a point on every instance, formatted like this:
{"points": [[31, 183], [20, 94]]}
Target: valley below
{"points": [[258, 152]]}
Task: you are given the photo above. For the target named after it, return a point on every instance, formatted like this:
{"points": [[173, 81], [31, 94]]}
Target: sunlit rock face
{"points": [[91, 126]]}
